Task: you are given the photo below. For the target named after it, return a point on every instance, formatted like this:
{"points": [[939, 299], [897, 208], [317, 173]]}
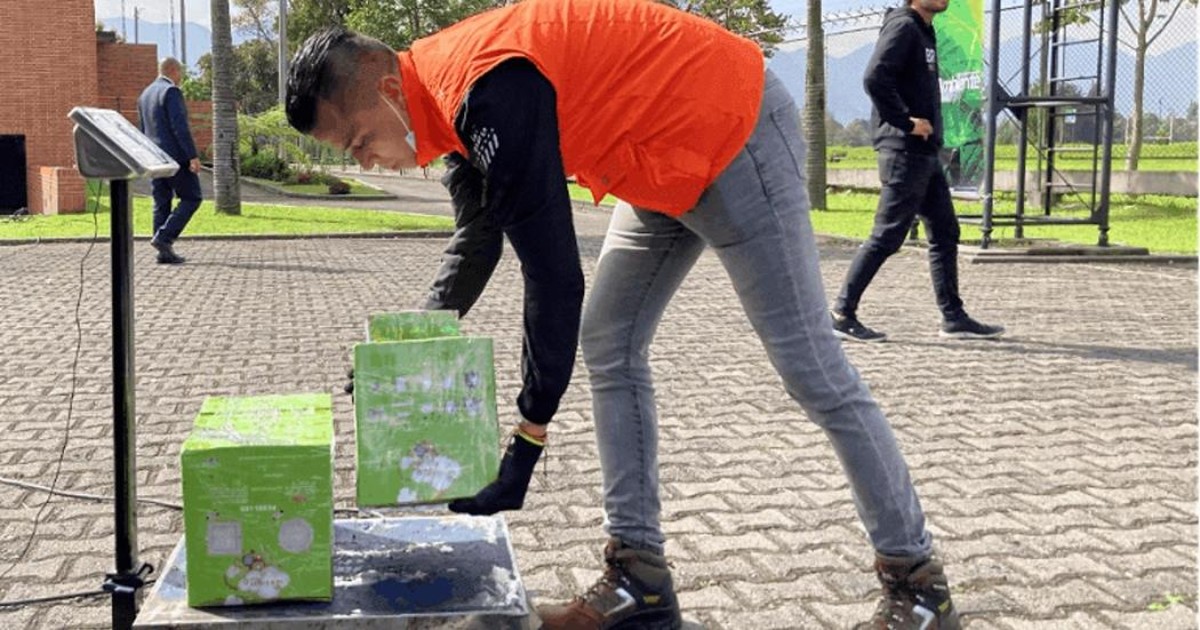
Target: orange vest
{"points": [[653, 103]]}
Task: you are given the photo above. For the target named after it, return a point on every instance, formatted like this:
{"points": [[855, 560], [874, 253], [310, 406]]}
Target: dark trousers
{"points": [[168, 224], [913, 185]]}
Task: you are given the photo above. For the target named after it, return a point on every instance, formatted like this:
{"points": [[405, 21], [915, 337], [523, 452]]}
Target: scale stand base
{"points": [[409, 572]]}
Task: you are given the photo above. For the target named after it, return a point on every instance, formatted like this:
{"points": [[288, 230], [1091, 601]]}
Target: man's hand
{"points": [[507, 492], [921, 127], [194, 165]]}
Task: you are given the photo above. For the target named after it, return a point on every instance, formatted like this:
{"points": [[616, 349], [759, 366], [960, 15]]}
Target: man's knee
{"points": [[887, 243], [945, 235], [593, 341], [604, 349]]}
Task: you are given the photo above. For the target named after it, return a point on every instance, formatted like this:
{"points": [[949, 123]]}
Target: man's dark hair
{"points": [[328, 62]]}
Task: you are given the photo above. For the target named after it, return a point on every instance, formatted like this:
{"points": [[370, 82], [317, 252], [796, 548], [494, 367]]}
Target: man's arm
{"points": [[509, 124], [474, 250], [886, 66], [177, 117]]}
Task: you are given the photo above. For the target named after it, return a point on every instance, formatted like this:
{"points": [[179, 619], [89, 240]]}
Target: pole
{"points": [[183, 33], [1110, 82], [991, 111], [283, 52], [135, 25], [123, 35], [125, 582], [1023, 119]]}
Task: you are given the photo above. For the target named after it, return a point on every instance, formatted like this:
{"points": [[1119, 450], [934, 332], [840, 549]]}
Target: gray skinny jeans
{"points": [[755, 217]]}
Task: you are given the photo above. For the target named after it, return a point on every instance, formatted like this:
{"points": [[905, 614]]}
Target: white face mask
{"points": [[410, 138]]}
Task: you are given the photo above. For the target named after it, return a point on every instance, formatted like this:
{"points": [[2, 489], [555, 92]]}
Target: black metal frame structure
{"points": [[1057, 105]]}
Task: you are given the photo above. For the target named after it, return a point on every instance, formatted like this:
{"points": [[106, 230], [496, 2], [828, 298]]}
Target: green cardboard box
{"points": [[258, 500], [425, 414], [408, 325]]}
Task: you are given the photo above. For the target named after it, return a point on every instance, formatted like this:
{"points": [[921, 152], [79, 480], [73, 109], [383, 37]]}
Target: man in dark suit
{"points": [[163, 117]]}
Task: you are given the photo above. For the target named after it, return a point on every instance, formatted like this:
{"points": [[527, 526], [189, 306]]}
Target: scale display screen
{"points": [[110, 147]]}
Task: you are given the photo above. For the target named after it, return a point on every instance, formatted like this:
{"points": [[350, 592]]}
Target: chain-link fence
{"points": [[1166, 98]]}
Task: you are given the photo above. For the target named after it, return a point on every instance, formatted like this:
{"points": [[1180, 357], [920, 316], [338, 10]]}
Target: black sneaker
{"points": [[916, 596], [170, 258], [166, 253], [967, 328], [848, 327], [636, 591]]}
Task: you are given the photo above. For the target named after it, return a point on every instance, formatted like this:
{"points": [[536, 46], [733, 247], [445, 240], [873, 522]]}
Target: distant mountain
{"points": [[199, 37], [845, 99], [1170, 76]]}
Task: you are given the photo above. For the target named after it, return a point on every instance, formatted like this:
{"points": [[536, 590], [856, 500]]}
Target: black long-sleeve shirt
{"points": [[902, 81], [512, 184]]}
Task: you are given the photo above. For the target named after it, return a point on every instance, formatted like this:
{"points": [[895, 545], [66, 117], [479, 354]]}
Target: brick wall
{"points": [[62, 189], [47, 66], [124, 70]]}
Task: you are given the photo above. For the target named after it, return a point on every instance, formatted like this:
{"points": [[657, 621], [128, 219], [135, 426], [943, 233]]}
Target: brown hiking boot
{"points": [[635, 591], [915, 596]]}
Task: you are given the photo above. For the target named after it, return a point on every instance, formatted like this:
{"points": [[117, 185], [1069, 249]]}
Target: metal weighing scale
{"points": [[411, 572]]}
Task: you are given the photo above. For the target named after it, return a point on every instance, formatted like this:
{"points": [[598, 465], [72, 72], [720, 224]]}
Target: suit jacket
{"points": [[163, 116]]}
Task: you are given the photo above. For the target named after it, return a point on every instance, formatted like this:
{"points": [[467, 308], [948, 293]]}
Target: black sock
{"points": [[507, 492]]}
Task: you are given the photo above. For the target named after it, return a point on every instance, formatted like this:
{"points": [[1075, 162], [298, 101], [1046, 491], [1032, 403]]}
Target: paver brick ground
{"points": [[1057, 466]]}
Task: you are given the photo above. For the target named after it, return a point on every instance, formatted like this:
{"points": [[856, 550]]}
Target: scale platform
{"points": [[408, 572]]}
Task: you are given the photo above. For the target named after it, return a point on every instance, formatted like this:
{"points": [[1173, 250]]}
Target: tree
{"points": [[752, 19], [398, 23], [257, 18], [255, 72], [857, 133], [225, 125], [257, 81], [814, 106], [1145, 32], [306, 17], [1152, 18]]}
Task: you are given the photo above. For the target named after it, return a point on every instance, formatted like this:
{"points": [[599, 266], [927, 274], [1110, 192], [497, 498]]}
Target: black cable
{"points": [[82, 495], [62, 453], [18, 603], [104, 497]]}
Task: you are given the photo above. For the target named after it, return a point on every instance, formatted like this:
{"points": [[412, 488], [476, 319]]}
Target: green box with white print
{"points": [[409, 325], [258, 500], [425, 413]]}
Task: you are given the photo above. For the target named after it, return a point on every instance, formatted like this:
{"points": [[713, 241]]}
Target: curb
{"points": [[414, 234], [1139, 259]]}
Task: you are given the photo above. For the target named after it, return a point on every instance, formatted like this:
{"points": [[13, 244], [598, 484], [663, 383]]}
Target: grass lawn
{"points": [[255, 219], [579, 193], [1161, 224]]}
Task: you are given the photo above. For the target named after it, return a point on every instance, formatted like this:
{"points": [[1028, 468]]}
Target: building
{"points": [[53, 59]]}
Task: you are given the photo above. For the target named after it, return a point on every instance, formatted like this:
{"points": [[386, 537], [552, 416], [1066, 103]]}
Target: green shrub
{"points": [[264, 165], [339, 187]]}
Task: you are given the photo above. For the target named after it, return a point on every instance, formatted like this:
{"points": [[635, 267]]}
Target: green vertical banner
{"points": [[960, 68]]}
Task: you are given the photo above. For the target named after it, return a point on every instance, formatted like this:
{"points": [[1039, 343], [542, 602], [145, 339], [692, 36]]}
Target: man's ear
{"points": [[389, 86]]}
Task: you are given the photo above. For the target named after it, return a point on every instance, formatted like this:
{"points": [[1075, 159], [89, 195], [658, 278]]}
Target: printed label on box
{"points": [[426, 420]]}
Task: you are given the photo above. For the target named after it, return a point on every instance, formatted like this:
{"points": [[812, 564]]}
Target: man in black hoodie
{"points": [[902, 81]]}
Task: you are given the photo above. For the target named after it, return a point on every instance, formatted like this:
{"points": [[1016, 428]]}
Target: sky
{"points": [[198, 12]]}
